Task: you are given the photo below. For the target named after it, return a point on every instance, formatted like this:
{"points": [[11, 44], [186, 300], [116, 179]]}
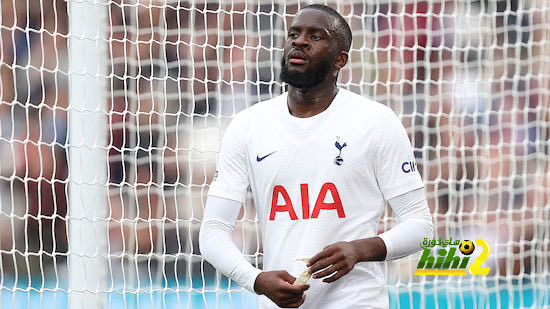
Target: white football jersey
{"points": [[317, 181]]}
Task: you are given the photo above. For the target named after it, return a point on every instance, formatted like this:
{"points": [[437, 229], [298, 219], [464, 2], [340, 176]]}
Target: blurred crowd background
{"points": [[469, 79]]}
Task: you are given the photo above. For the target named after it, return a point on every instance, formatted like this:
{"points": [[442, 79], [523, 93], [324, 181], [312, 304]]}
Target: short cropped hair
{"points": [[343, 30]]}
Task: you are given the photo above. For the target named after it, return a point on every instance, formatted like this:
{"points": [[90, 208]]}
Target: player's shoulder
{"points": [[364, 108], [267, 107], [260, 111]]}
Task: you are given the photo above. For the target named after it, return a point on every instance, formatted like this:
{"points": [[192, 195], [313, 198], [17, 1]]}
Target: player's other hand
{"points": [[334, 261], [277, 286]]}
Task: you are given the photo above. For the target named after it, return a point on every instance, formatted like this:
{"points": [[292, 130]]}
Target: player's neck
{"points": [[303, 103]]}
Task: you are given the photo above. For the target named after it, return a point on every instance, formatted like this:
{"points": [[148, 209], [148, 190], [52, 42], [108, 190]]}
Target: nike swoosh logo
{"points": [[258, 158]]}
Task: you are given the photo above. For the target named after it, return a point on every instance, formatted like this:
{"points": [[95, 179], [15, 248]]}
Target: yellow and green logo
{"points": [[455, 259]]}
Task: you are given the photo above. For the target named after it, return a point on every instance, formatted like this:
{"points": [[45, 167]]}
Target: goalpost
{"points": [[87, 155], [112, 114]]}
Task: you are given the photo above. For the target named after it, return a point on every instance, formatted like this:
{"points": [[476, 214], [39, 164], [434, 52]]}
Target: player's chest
{"points": [[279, 158]]}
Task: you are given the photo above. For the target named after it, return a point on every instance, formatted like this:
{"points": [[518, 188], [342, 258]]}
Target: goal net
{"points": [[112, 114]]}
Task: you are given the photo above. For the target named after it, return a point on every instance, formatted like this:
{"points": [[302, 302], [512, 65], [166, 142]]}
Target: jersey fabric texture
{"points": [[316, 181]]}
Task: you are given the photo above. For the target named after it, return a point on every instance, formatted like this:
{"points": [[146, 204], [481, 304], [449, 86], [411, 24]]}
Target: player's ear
{"points": [[342, 59]]}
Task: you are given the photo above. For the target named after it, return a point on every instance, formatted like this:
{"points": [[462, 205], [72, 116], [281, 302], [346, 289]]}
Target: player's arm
{"points": [[415, 224], [217, 246], [226, 195], [218, 249]]}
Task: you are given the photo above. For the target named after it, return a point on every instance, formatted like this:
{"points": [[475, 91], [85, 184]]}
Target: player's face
{"points": [[310, 49]]}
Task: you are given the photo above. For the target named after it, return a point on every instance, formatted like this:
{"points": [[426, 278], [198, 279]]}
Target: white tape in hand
{"points": [[306, 274]]}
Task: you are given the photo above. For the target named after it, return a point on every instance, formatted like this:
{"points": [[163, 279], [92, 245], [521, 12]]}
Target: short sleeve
{"points": [[395, 166], [231, 180]]}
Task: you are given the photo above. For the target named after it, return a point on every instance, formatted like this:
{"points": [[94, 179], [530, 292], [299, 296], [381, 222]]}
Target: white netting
{"points": [[469, 79]]}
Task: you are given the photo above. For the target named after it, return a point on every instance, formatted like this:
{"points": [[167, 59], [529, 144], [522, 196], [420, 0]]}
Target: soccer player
{"points": [[322, 163]]}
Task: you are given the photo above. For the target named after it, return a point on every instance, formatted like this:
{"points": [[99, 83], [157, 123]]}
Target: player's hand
{"points": [[277, 286], [337, 260]]}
